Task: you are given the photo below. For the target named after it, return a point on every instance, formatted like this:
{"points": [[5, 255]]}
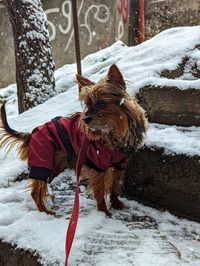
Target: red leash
{"points": [[75, 211]]}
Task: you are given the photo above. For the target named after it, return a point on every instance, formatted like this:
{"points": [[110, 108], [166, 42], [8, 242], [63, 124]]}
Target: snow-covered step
{"points": [[171, 105], [172, 96], [135, 236], [166, 171], [101, 242]]}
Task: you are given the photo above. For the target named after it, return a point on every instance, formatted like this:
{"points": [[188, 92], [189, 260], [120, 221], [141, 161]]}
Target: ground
{"points": [[136, 236]]}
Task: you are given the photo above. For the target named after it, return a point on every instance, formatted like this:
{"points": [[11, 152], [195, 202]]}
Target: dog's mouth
{"points": [[95, 125], [106, 129]]}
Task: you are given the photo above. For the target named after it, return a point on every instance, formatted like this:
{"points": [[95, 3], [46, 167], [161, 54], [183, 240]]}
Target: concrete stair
{"points": [[170, 105], [165, 181], [155, 176]]}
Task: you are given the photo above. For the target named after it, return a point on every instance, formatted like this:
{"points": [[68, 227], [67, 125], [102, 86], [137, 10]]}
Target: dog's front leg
{"points": [[118, 176], [96, 184], [39, 193], [99, 193]]}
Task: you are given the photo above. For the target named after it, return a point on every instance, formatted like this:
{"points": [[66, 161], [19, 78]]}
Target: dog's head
{"points": [[110, 114]]}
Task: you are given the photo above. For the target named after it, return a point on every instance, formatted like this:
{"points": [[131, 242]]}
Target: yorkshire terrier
{"points": [[112, 121]]}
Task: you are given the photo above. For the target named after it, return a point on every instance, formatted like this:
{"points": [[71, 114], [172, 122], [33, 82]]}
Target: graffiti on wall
{"points": [[122, 9], [123, 12], [66, 12]]}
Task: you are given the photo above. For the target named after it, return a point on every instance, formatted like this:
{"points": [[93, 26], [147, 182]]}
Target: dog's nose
{"points": [[87, 119]]}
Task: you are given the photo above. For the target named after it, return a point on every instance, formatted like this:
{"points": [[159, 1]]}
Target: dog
{"points": [[112, 121]]}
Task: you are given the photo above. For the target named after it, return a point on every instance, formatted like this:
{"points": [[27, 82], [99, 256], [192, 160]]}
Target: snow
{"points": [[174, 139], [38, 58], [138, 235], [122, 101], [140, 66]]}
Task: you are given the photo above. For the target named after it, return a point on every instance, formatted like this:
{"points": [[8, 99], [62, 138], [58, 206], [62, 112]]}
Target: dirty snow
{"points": [[138, 235]]}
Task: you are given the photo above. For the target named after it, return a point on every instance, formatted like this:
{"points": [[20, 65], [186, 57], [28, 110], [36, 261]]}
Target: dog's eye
{"points": [[100, 103]]}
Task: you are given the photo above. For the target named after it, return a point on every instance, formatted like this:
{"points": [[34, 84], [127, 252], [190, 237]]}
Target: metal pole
{"points": [[136, 22], [140, 24], [76, 37]]}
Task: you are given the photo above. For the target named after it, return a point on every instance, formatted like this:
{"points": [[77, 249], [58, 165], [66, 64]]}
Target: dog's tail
{"points": [[10, 138]]}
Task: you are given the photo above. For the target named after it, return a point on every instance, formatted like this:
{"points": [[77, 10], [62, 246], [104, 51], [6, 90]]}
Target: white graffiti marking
{"points": [[66, 15], [72, 30], [51, 24], [120, 30], [96, 16], [66, 11]]}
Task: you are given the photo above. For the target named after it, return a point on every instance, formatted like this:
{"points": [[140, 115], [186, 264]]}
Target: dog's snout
{"points": [[87, 119]]}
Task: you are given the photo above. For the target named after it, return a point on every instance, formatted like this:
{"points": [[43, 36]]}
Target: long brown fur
{"points": [[117, 120], [10, 138]]}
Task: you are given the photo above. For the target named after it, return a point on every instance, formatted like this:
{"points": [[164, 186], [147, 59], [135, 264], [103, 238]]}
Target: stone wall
{"points": [[7, 65], [163, 14], [102, 22]]}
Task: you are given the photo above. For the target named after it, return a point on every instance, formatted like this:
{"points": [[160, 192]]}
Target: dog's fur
{"points": [[115, 118]]}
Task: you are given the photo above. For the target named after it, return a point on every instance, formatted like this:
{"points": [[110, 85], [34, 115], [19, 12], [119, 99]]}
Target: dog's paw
{"points": [[108, 214], [50, 212], [117, 205], [103, 208]]}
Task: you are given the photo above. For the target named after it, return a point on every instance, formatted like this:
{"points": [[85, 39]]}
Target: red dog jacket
{"points": [[45, 140]]}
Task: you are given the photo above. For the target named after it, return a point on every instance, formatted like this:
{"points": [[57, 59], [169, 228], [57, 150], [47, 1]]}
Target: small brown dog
{"points": [[112, 121]]}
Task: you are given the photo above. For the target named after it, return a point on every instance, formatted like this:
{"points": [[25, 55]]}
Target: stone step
{"points": [[167, 181], [11, 255], [171, 105]]}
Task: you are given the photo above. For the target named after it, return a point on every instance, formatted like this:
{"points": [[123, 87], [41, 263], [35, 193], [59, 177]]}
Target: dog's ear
{"points": [[82, 81], [115, 76]]}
